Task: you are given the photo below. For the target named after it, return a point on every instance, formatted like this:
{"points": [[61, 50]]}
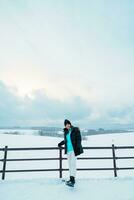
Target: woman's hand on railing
{"points": [[61, 143]]}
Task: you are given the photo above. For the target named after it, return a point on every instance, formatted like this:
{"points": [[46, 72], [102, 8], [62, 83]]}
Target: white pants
{"points": [[72, 163]]}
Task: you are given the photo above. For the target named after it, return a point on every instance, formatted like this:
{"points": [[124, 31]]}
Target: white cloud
{"points": [[46, 111]]}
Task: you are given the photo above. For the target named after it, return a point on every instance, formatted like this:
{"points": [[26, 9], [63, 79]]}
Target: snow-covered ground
{"points": [[94, 185], [54, 189]]}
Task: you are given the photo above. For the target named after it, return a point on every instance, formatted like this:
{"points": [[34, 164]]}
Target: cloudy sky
{"points": [[66, 59]]}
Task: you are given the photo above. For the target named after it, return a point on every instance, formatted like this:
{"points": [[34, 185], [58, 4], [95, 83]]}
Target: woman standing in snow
{"points": [[73, 148]]}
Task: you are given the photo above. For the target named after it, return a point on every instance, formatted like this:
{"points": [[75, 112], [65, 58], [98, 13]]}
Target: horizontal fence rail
{"points": [[60, 159]]}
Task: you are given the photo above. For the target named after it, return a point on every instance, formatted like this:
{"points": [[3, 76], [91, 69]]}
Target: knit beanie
{"points": [[66, 121]]}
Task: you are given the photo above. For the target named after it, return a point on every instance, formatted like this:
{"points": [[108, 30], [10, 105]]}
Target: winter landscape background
{"points": [[66, 59]]}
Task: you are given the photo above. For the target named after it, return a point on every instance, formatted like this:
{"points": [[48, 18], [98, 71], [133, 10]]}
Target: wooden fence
{"points": [[60, 159]]}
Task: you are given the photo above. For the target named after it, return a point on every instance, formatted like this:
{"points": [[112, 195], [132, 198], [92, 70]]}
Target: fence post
{"points": [[114, 160], [60, 162], [4, 162]]}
